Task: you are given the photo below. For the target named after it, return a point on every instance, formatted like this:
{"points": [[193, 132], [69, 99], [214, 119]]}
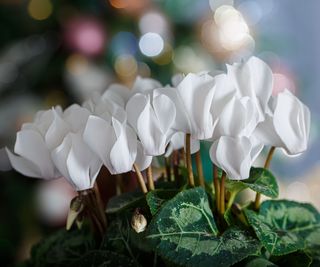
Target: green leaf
{"points": [[124, 201], [99, 258], [157, 197], [260, 180], [282, 226], [313, 246], [184, 233]]}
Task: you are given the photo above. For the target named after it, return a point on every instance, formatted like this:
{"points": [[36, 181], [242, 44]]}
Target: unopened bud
{"points": [[138, 221], [76, 207]]}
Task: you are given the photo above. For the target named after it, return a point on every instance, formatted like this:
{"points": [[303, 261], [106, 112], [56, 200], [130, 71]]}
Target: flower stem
{"points": [[216, 185], [231, 199], [99, 203], [200, 169], [266, 166], [189, 162], [222, 193], [91, 206], [175, 163], [140, 179], [150, 178], [168, 168]]}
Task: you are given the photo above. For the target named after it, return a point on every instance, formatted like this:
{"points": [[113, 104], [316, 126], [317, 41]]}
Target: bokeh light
{"points": [[124, 43], [40, 9], [53, 201], [151, 44], [126, 66], [153, 22], [165, 56], [85, 35]]}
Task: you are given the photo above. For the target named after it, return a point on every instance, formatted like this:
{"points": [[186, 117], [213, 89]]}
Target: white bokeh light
{"points": [[151, 44], [153, 22]]}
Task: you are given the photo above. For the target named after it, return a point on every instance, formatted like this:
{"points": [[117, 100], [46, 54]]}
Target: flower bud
{"points": [[138, 221]]}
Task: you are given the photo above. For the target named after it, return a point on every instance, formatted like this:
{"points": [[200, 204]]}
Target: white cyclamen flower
{"points": [[152, 116], [235, 155], [34, 155], [254, 79], [195, 93], [288, 124], [114, 142], [239, 117], [52, 147], [71, 155]]}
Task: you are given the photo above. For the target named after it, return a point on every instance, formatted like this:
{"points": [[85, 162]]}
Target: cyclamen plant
{"points": [[184, 220]]}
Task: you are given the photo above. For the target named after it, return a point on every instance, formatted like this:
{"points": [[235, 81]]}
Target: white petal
{"points": [[81, 163], [24, 166], [117, 93], [149, 132], [56, 132], [76, 116], [100, 137], [165, 111], [231, 120], [144, 85], [195, 146], [224, 91], [30, 145], [177, 78], [134, 108], [44, 119], [289, 123], [254, 79], [142, 160], [60, 155], [182, 121], [233, 156], [196, 93], [267, 134], [123, 153]]}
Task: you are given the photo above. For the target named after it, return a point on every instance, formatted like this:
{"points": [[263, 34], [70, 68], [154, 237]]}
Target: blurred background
{"points": [[60, 52]]}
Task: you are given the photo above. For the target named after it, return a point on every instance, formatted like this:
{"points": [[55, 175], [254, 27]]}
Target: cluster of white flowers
{"points": [[235, 111]]}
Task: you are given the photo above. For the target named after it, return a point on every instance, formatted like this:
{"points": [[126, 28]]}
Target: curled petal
{"points": [[56, 132], [292, 123], [30, 145], [182, 121], [123, 153], [82, 164], [134, 108], [233, 156], [100, 137], [196, 92], [142, 160], [254, 79], [165, 112], [76, 116], [60, 155], [24, 166]]}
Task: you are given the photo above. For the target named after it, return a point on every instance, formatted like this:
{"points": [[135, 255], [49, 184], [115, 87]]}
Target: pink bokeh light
{"points": [[85, 35]]}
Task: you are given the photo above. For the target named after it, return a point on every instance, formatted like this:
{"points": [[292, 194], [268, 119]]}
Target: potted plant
{"points": [[181, 219]]}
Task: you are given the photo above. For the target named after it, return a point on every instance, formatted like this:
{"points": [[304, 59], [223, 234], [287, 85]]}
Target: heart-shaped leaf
{"points": [[184, 232], [260, 180], [282, 226]]}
